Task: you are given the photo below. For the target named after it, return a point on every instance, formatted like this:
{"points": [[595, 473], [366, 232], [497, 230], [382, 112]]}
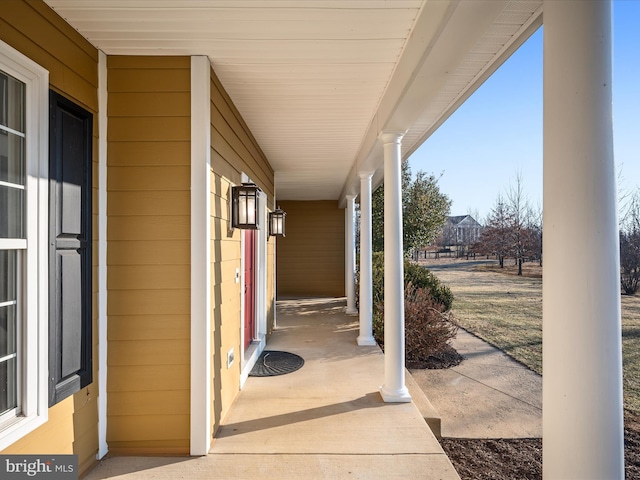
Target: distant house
{"points": [[461, 230]]}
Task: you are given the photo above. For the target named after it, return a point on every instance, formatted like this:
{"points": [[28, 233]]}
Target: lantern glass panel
{"points": [[251, 208], [242, 208], [274, 224]]}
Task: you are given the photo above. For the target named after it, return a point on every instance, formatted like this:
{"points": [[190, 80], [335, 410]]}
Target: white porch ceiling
{"points": [[317, 80]]}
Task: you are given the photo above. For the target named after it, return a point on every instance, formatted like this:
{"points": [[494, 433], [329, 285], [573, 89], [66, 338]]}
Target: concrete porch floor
{"points": [[326, 420]]}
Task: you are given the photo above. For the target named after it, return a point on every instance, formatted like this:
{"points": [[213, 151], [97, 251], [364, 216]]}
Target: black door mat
{"points": [[272, 363]]}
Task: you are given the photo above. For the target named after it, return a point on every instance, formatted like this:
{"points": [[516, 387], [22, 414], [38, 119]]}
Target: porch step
{"points": [[420, 400]]}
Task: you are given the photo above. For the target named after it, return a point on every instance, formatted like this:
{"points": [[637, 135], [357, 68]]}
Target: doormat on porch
{"points": [[272, 363]]}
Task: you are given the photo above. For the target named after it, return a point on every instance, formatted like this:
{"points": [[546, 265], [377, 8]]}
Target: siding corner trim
{"points": [[200, 428]]}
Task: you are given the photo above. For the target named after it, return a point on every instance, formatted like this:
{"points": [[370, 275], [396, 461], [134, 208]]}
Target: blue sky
{"points": [[497, 133]]}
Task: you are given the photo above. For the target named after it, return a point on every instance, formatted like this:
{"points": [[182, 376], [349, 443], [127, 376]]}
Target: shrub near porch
{"points": [[428, 329]]}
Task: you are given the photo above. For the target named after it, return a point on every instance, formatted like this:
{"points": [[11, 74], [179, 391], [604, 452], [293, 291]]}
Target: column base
{"points": [[364, 341], [352, 311], [395, 396]]}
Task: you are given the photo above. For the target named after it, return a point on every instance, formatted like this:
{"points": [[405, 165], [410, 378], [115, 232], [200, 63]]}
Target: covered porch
{"points": [[325, 420], [336, 110]]}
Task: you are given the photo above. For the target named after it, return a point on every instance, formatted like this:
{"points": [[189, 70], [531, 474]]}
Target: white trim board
{"points": [[103, 448], [200, 429]]}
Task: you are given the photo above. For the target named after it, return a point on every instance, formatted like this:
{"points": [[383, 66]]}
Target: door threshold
{"points": [[251, 355]]}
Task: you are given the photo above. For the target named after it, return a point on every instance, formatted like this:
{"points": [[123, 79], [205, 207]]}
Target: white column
{"points": [[394, 388], [366, 283], [350, 260], [582, 354]]}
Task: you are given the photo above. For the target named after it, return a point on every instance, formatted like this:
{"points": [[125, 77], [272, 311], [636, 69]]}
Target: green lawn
{"points": [[506, 311]]}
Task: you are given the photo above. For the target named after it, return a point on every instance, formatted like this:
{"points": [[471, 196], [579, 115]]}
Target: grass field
{"points": [[506, 311]]}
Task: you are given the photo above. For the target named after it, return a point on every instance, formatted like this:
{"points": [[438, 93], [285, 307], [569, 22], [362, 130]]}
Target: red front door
{"points": [[249, 285]]}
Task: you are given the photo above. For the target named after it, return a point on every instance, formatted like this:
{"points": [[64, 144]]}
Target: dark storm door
{"points": [[249, 286], [70, 152]]}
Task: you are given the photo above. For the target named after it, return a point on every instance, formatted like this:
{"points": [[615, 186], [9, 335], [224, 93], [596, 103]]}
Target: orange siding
{"points": [[234, 151], [310, 259], [32, 28], [148, 258]]}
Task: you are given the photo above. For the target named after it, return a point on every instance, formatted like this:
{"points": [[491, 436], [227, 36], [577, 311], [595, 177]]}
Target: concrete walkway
{"points": [[489, 395], [324, 421]]}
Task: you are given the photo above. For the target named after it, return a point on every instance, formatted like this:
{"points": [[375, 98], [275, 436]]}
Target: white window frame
{"points": [[33, 359]]}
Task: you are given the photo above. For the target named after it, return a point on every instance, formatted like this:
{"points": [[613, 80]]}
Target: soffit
{"points": [[306, 76], [473, 40], [512, 24], [317, 80]]}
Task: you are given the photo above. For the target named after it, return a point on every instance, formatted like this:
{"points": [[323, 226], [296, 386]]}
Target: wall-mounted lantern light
{"points": [[276, 223], [245, 206]]}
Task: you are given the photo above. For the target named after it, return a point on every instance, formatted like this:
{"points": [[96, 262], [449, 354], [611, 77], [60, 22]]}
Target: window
{"points": [[23, 245], [12, 183]]}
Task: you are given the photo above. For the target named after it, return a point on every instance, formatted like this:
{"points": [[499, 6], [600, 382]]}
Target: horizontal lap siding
{"points": [[233, 143], [35, 30], [234, 151], [310, 259], [40, 34], [148, 257]]}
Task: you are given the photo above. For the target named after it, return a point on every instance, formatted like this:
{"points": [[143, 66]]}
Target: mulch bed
{"points": [[521, 459], [447, 358], [632, 446], [501, 459]]}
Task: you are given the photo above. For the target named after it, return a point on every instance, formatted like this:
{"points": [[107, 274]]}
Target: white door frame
{"points": [[249, 356]]}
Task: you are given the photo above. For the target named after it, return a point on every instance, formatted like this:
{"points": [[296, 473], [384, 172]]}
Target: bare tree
{"points": [[474, 212], [521, 224], [472, 233], [536, 215], [512, 228], [447, 235], [630, 245], [495, 238]]}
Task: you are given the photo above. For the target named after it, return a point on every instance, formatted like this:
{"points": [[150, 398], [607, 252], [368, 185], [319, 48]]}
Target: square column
{"points": [[394, 388], [366, 274], [350, 257], [582, 354]]}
